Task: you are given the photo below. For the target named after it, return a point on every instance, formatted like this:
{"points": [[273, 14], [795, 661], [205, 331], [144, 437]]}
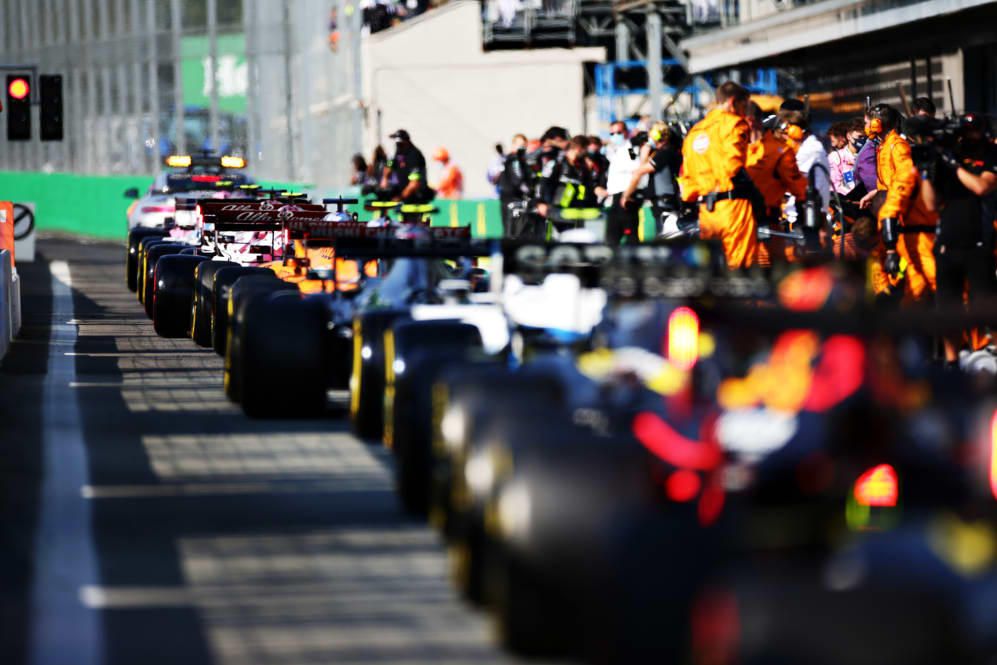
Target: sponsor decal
{"points": [[701, 143]]}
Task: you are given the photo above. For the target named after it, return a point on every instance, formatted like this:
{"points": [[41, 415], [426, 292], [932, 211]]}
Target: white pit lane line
{"points": [[63, 629]]}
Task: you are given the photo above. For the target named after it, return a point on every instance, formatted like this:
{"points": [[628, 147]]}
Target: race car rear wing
{"points": [[239, 215], [673, 269], [359, 240]]}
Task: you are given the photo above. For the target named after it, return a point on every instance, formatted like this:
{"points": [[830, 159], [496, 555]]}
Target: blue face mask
{"points": [[859, 142], [617, 139]]}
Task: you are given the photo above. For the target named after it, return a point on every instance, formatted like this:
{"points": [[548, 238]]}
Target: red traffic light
{"points": [[18, 88]]}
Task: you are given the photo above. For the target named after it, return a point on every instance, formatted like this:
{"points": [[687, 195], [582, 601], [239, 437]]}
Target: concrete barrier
{"points": [[15, 304], [6, 319]]}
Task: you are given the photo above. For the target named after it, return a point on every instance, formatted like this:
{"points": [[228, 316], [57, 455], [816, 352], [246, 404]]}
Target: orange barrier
{"points": [[7, 228]]}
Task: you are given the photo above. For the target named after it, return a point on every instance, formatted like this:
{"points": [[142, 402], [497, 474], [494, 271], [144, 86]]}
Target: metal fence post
{"points": [[356, 26], [212, 74], [90, 91], [176, 23], [153, 75], [289, 109], [249, 22], [654, 63]]}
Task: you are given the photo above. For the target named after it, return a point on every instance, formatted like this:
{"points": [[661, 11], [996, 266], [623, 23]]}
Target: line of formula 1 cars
{"points": [[633, 454]]}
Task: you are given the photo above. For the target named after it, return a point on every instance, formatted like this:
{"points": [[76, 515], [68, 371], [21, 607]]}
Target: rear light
{"points": [[206, 178], [148, 209], [671, 447], [178, 161], [287, 236], [877, 487], [682, 485], [993, 455], [683, 338]]}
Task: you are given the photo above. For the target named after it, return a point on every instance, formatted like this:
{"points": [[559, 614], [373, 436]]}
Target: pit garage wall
{"points": [[84, 205], [840, 94], [95, 206], [431, 77]]}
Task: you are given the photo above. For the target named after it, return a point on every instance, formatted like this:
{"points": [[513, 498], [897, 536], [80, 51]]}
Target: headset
{"points": [[875, 122], [794, 132]]}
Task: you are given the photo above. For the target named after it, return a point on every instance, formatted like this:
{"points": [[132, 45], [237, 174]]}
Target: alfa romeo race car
{"points": [[167, 290]]}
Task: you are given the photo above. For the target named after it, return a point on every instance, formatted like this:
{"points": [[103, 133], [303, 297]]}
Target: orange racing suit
{"points": [[714, 151], [900, 178], [771, 163]]}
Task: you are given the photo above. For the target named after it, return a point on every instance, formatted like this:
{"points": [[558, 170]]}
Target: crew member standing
{"points": [[405, 175], [570, 183], [451, 185], [513, 182], [771, 164], [623, 215], [962, 189], [661, 168], [714, 156], [903, 208]]}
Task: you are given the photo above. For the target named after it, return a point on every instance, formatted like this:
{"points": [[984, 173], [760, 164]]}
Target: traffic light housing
{"points": [[50, 115], [18, 107]]}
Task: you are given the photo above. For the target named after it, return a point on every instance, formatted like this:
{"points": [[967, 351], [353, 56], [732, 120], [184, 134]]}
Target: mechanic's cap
{"points": [[793, 105], [401, 135], [441, 154]]}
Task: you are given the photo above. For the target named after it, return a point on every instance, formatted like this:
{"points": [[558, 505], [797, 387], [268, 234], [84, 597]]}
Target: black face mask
{"points": [[593, 153], [859, 142], [399, 145]]}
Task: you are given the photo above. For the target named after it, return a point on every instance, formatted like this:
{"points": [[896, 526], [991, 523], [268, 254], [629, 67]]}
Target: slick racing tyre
{"points": [[466, 399], [284, 340], [245, 289], [221, 286], [144, 244], [204, 279], [173, 294], [367, 378], [414, 354], [131, 258], [524, 611], [152, 256]]}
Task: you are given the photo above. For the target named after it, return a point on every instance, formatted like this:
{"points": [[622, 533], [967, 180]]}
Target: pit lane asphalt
{"points": [[144, 519]]}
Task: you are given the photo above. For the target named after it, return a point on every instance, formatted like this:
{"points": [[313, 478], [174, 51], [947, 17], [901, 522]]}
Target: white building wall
{"points": [[431, 77]]}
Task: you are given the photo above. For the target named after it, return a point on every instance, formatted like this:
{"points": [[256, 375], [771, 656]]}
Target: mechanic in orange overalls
{"points": [[771, 164], [451, 184], [903, 207], [713, 174]]}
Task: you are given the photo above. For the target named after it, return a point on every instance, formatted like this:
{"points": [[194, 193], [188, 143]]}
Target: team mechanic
{"points": [[908, 252], [714, 156], [772, 166], [404, 177]]}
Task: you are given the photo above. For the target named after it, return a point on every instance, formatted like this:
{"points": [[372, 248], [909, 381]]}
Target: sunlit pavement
{"points": [[146, 520]]}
